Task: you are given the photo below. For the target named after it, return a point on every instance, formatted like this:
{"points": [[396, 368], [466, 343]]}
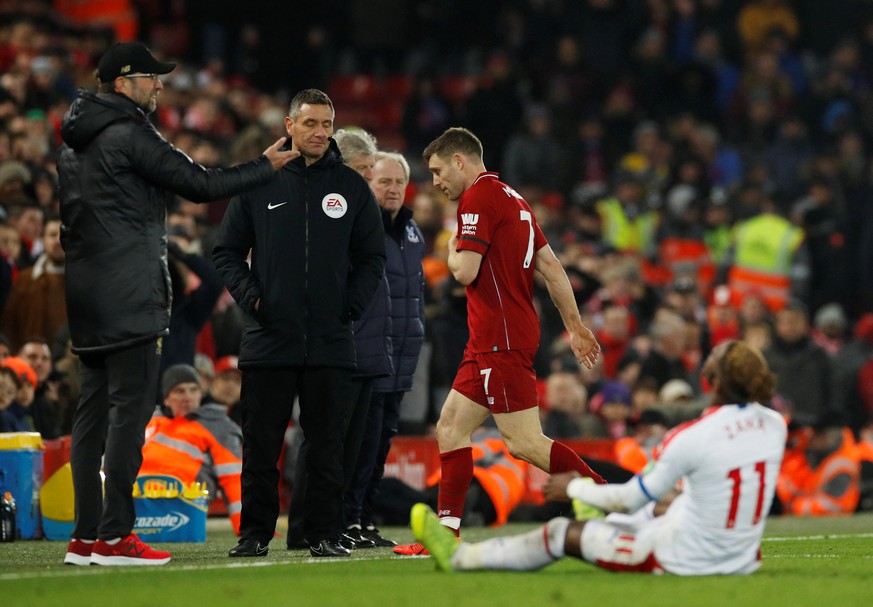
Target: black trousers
{"points": [[117, 400], [267, 401], [383, 418], [359, 403]]}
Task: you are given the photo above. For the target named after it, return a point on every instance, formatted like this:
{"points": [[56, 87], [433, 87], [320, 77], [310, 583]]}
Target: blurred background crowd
{"points": [[703, 169]]}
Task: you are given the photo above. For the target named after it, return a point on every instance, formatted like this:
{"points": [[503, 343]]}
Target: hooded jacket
{"points": [[317, 257], [117, 175]]}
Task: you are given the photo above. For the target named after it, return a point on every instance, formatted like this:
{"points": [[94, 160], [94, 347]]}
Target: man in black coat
{"points": [[317, 257], [117, 175], [405, 250]]}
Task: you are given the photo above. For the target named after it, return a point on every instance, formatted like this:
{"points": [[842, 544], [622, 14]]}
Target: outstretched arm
{"points": [[582, 341]]}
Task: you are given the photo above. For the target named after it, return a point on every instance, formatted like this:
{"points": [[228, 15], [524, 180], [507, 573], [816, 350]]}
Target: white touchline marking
{"points": [[69, 571], [803, 556], [829, 536]]}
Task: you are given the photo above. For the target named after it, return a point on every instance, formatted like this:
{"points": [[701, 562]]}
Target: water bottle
{"points": [[7, 518]]}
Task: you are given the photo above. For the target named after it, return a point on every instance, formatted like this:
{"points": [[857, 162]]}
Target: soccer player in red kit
{"points": [[494, 253]]}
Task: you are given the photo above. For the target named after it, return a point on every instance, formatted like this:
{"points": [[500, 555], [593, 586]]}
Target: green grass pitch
{"points": [[823, 562]]}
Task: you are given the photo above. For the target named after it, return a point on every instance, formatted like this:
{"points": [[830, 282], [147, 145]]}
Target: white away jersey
{"points": [[728, 460]]}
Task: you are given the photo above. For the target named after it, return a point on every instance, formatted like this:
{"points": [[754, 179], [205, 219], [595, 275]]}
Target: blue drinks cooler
{"points": [[169, 511], [21, 475]]}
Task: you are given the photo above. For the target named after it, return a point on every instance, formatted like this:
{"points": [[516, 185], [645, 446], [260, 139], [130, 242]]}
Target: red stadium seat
{"points": [[351, 88], [355, 114], [389, 112], [397, 87], [457, 88], [390, 140]]}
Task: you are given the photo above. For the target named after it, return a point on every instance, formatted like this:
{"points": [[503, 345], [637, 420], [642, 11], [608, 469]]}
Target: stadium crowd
{"points": [[702, 169]]}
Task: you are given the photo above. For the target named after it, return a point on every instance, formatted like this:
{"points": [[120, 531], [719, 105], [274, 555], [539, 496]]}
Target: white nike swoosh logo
{"points": [[259, 549], [276, 205]]}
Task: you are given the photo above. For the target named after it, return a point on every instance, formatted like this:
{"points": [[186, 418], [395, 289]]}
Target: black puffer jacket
{"points": [[405, 249], [117, 175], [373, 336], [318, 253]]}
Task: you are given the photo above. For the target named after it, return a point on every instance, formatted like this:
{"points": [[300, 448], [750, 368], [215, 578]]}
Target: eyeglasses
{"points": [[155, 77]]}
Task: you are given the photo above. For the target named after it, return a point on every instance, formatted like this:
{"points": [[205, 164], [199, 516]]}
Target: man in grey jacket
{"points": [[117, 175]]}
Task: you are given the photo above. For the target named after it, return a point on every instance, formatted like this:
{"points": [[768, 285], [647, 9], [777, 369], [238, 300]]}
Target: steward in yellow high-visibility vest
{"points": [[763, 255], [627, 223]]}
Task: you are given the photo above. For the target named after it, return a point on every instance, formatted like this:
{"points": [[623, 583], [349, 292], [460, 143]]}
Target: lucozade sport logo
{"points": [[169, 522]]}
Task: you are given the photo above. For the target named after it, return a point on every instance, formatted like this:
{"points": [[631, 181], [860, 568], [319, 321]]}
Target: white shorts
{"points": [[618, 547]]}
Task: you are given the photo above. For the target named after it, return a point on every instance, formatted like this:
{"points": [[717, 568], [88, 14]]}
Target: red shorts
{"points": [[502, 382]]}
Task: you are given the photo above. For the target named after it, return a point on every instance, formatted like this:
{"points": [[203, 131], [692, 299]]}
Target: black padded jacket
{"points": [[117, 175], [317, 257]]}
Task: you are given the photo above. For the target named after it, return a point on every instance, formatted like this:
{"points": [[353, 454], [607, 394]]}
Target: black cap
{"points": [[130, 58]]}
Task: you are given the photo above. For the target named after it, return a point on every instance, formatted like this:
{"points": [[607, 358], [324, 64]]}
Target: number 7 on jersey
{"points": [[528, 257]]}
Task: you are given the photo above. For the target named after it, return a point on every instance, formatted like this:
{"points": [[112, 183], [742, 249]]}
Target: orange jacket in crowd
{"points": [[501, 476], [630, 455], [689, 257], [822, 490], [203, 446]]}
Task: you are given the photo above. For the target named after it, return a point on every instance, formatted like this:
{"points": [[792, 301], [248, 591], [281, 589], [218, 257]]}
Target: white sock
{"points": [[113, 541], [452, 522], [526, 552]]}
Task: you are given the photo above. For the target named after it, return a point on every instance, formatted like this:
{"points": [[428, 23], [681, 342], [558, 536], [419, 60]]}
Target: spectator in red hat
{"points": [[25, 417], [9, 386], [226, 385]]}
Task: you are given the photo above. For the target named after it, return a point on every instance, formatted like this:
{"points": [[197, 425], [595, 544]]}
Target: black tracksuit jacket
{"points": [[317, 256]]}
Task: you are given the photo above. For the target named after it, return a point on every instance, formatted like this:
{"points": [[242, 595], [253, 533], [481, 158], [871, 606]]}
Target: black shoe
{"points": [[297, 544], [353, 536], [372, 534], [346, 542], [248, 547], [329, 548]]}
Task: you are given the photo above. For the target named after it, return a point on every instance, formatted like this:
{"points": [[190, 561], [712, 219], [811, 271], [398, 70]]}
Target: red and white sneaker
{"points": [[129, 551], [78, 552], [415, 549]]}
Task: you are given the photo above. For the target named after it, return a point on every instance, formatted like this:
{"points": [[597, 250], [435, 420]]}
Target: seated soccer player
{"points": [[729, 459]]}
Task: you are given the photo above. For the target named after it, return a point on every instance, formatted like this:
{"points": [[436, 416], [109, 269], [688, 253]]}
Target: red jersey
{"points": [[494, 221]]}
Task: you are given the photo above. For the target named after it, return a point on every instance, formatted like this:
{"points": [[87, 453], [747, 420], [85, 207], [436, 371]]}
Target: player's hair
{"points": [[398, 158], [454, 140], [310, 96], [743, 375], [354, 143]]}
